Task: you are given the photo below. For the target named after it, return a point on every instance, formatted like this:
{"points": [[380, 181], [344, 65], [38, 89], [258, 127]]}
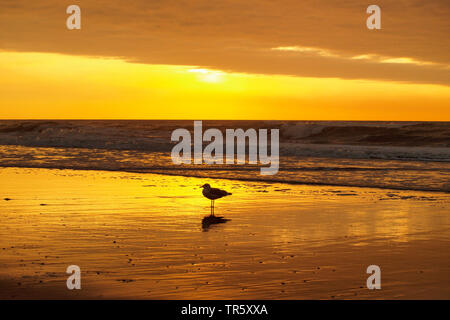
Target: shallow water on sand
{"points": [[141, 236]]}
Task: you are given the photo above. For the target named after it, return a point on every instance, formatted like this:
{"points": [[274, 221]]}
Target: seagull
{"points": [[213, 194]]}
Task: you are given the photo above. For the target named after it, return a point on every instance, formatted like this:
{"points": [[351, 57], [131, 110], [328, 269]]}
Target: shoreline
{"points": [[273, 181]]}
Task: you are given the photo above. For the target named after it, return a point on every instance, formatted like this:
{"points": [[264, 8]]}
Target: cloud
{"points": [[364, 57], [317, 51], [291, 37], [401, 60]]}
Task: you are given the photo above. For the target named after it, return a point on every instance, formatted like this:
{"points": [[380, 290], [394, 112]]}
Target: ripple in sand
{"points": [[125, 280]]}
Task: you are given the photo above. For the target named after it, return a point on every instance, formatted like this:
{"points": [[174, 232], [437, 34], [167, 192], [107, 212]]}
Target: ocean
{"points": [[373, 154]]}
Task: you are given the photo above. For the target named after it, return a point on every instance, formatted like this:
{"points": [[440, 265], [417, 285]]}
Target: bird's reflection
{"points": [[208, 221]]}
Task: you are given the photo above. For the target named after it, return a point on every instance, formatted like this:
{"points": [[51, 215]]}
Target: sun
{"points": [[210, 76]]}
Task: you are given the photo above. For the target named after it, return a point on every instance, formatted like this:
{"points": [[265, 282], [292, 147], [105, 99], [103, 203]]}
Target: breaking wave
{"points": [[395, 155]]}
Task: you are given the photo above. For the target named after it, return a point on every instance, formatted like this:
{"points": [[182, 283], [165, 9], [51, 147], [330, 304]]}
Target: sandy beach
{"points": [[139, 236]]}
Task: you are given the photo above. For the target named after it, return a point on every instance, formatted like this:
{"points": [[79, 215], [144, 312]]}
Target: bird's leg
{"points": [[213, 207]]}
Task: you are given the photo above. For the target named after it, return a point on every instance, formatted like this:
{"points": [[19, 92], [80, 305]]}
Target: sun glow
{"points": [[210, 76], [55, 86]]}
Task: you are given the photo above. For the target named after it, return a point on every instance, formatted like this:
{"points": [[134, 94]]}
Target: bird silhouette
{"points": [[213, 194]]}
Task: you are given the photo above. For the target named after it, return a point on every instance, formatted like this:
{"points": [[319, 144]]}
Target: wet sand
{"points": [[140, 236]]}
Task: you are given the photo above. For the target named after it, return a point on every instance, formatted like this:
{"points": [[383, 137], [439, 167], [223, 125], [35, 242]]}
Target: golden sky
{"points": [[225, 59]]}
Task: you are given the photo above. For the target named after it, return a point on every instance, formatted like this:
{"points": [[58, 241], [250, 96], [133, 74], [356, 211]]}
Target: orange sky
{"points": [[225, 59]]}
